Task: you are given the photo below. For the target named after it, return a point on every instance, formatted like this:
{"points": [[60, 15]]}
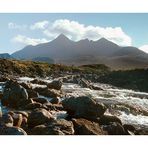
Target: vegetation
{"points": [[130, 79]]}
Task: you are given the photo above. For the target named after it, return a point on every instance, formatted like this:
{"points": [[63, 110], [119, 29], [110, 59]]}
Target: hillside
{"points": [[65, 51]]}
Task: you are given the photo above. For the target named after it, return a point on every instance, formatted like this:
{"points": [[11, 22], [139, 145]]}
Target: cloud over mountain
{"points": [[144, 48], [73, 30], [28, 41]]}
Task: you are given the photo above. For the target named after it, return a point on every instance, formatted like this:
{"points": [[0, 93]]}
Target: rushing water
{"points": [[130, 106]]}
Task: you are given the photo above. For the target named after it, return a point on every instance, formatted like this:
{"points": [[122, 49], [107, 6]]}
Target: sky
{"points": [[18, 30]]}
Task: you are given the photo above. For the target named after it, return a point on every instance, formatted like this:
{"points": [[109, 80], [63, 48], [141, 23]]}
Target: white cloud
{"points": [[12, 25], [76, 31], [144, 48], [39, 25], [28, 41]]}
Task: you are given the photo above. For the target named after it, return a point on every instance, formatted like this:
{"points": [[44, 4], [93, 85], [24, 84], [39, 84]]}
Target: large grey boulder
{"points": [[14, 95], [83, 107]]}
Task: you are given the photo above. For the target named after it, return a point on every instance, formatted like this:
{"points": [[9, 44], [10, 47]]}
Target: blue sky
{"points": [[20, 30]]}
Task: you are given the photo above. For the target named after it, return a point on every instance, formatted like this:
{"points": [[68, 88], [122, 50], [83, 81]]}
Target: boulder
{"points": [[17, 118], [56, 84], [86, 127], [4, 130], [83, 107], [55, 100], [1, 95], [56, 107], [0, 112], [32, 93], [32, 106], [14, 95], [37, 81], [26, 85], [39, 116], [56, 127], [114, 128], [40, 100], [6, 120], [107, 119]]}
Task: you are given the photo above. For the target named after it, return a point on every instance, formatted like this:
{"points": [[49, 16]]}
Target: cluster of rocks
{"points": [[30, 114]]}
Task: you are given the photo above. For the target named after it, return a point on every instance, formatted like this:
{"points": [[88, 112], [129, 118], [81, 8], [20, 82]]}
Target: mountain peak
{"points": [[62, 37]]}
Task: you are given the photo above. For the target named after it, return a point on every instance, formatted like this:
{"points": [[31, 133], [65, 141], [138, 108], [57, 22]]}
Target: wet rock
{"points": [[114, 128], [56, 107], [0, 112], [14, 95], [26, 85], [6, 120], [32, 93], [56, 127], [32, 106], [3, 78], [4, 130], [55, 100], [40, 100], [17, 119], [84, 83], [83, 107], [107, 119], [85, 127], [37, 81], [56, 84], [1, 95], [39, 116]]}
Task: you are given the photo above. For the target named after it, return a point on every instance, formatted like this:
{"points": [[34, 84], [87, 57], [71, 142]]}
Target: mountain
{"points": [[65, 51], [43, 59], [5, 56]]}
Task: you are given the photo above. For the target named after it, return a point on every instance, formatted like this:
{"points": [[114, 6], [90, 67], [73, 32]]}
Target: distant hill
{"points": [[65, 51], [44, 59], [5, 56]]}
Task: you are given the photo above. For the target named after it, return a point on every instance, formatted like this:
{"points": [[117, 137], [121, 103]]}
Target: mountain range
{"points": [[65, 51]]}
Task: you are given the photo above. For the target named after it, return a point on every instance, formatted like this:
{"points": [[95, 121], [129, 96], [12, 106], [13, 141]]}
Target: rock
{"points": [[32, 106], [32, 93], [129, 128], [17, 119], [96, 87], [83, 107], [37, 81], [56, 107], [14, 95], [84, 83], [4, 130], [39, 116], [0, 112], [114, 128], [40, 100], [56, 127], [56, 84], [85, 127], [1, 95], [55, 101], [107, 119], [3, 79], [45, 130], [6, 120], [26, 86]]}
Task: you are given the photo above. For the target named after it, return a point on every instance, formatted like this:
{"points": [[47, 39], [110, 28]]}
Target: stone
{"points": [[32, 106], [114, 128], [86, 127], [56, 84], [107, 119], [40, 100], [4, 130], [83, 107], [6, 120], [32, 93], [55, 127], [14, 95], [39, 116]]}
